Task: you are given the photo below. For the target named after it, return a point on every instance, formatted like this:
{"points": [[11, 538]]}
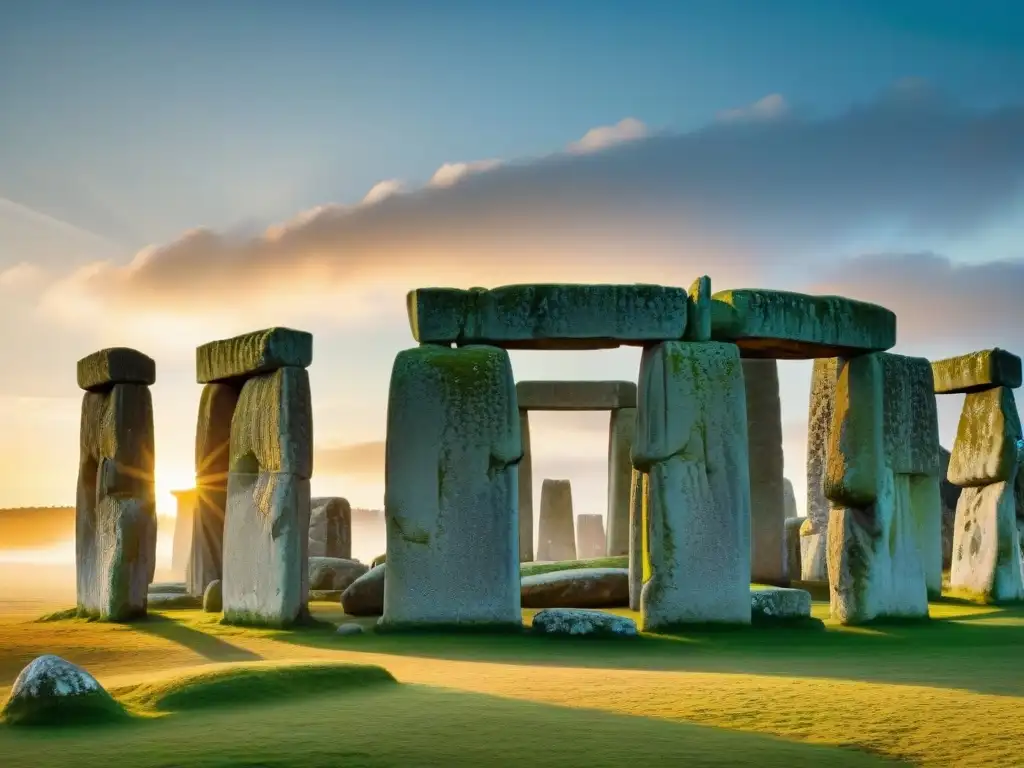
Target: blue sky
{"points": [[125, 124]]}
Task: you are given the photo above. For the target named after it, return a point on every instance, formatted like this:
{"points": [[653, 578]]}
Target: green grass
{"points": [[533, 569], [944, 692]]}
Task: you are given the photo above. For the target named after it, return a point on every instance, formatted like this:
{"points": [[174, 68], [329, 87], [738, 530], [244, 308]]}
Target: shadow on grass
{"points": [[207, 645], [970, 655]]}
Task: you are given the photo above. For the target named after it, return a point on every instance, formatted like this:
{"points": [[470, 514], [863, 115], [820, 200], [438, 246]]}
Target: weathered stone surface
{"points": [[365, 595], [779, 603], [987, 559], [253, 354], [451, 477], [164, 601], [977, 372], [213, 597], [182, 544], [796, 326], [813, 546], [272, 428], [789, 498], [266, 532], [910, 418], [767, 486], [590, 536], [986, 447], [793, 554], [115, 519], [578, 588], [926, 508], [950, 496], [525, 491], [117, 365], [330, 527], [548, 316], [577, 622], [334, 573], [350, 629], [698, 322], [855, 454], [621, 429], [637, 538], [874, 563], [168, 588], [692, 440], [217, 403], [557, 531], [53, 691], [575, 395]]}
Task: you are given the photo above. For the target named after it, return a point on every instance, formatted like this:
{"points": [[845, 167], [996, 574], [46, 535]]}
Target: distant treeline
{"points": [[38, 527]]}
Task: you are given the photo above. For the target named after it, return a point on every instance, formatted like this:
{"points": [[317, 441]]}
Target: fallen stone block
{"points": [[171, 601], [797, 326], [989, 439], [977, 372], [575, 395], [252, 354], [987, 558], [578, 588], [778, 604], [450, 489], [556, 539], [365, 595], [576, 622], [333, 573], [117, 365], [549, 316], [855, 453]]}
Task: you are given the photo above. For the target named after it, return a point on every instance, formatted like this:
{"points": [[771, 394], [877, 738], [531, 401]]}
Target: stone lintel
{"points": [[575, 395], [116, 365], [976, 372], [252, 354]]}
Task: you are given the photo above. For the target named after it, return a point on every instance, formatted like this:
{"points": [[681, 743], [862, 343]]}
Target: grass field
{"points": [[948, 692]]}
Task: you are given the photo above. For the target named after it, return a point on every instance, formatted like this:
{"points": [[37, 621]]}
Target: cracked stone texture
{"points": [[253, 354], [115, 518], [590, 537], [977, 372], [556, 540], [451, 481], [621, 429], [330, 527], [797, 326], [116, 365], [549, 316], [987, 558], [767, 485], [691, 438], [986, 447]]}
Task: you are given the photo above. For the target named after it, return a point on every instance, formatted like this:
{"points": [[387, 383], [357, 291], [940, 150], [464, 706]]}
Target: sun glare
{"points": [[169, 479]]}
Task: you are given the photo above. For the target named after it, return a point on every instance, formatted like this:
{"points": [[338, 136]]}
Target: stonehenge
{"points": [[618, 397], [115, 508], [590, 536], [330, 527], [182, 544], [557, 528]]}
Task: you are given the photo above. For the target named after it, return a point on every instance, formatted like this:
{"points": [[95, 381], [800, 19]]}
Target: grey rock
{"points": [[334, 573], [330, 527], [350, 629], [167, 601], [117, 365], [577, 622], [779, 603], [213, 601], [578, 588], [556, 536], [253, 354], [53, 691], [365, 595]]}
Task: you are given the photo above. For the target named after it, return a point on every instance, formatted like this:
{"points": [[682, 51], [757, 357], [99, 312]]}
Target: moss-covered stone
{"points": [[698, 323], [797, 326], [252, 354], [116, 365], [272, 425], [53, 692], [977, 372], [549, 316], [986, 449], [910, 421], [855, 451]]}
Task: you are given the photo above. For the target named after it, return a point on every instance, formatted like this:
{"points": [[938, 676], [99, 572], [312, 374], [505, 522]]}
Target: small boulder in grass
{"points": [[213, 599], [580, 622], [350, 628], [53, 691]]}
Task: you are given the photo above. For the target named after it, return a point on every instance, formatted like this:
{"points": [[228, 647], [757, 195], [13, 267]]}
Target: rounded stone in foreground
{"points": [[53, 691], [579, 622], [350, 629], [213, 600], [779, 603], [365, 595]]}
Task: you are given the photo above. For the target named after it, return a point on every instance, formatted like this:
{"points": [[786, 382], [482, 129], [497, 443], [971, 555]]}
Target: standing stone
{"points": [[451, 481], [789, 495], [217, 403], [793, 546], [330, 527], [637, 538], [950, 497], [266, 526], [814, 533], [590, 536], [557, 534], [525, 491], [622, 427], [182, 545], [115, 518], [767, 485], [691, 438]]}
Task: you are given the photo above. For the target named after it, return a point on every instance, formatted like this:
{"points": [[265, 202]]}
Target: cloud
{"points": [[20, 276], [738, 199], [382, 190], [450, 174], [605, 136], [771, 107]]}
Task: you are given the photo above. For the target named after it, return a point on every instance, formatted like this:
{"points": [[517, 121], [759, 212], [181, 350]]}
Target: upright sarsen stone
{"points": [[637, 538], [217, 403], [767, 485], [330, 527], [266, 524], [525, 491], [451, 483], [814, 532], [622, 426], [691, 438], [985, 451], [987, 558], [590, 536], [556, 535], [115, 518]]}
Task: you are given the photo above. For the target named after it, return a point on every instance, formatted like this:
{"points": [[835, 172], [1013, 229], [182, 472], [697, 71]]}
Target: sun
{"points": [[172, 477]]}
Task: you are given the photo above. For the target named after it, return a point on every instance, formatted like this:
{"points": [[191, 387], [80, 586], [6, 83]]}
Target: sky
{"points": [[176, 173]]}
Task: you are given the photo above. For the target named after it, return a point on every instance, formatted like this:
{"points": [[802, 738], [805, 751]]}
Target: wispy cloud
{"points": [[605, 136], [771, 107]]}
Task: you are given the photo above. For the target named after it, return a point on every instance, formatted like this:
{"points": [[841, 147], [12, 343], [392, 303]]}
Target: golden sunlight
{"points": [[171, 478]]}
